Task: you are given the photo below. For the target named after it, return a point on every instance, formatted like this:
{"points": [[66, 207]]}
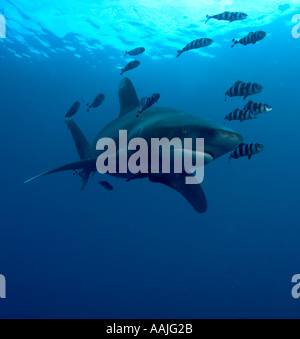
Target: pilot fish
{"points": [[136, 51], [148, 102], [251, 38], [228, 16], [131, 65], [73, 110], [246, 151], [195, 45], [242, 89], [259, 108], [241, 115], [106, 185], [97, 102]]}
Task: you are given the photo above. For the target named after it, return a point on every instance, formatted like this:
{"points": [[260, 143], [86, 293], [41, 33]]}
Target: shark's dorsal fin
{"points": [[193, 193], [128, 98], [82, 145]]}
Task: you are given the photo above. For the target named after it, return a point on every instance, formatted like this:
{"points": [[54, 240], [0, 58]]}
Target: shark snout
{"points": [[222, 142]]}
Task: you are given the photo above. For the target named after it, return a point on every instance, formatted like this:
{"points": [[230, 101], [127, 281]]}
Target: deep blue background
{"points": [[141, 251]]}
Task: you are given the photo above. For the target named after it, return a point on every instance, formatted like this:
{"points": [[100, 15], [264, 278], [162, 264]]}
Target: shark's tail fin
{"points": [[86, 165], [235, 42]]}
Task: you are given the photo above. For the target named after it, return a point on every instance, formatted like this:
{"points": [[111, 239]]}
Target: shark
{"points": [[156, 122]]}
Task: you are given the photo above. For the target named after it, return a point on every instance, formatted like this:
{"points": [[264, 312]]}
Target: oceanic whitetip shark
{"points": [[160, 123]]}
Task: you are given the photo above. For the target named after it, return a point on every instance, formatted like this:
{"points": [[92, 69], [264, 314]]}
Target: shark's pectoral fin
{"points": [[128, 98], [193, 193]]}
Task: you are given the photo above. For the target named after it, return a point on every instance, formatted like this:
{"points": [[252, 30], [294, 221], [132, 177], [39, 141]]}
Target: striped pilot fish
{"points": [[148, 102], [259, 108], [97, 102], [228, 16], [136, 51], [251, 38], [242, 89], [106, 185], [131, 65], [241, 115], [199, 43], [73, 110], [246, 151]]}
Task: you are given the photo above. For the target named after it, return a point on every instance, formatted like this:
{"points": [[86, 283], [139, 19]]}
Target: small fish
{"points": [[136, 51], [97, 102], [259, 108], [148, 102], [73, 110], [241, 115], [246, 151], [228, 16], [131, 65], [195, 45], [106, 185], [242, 89], [251, 38]]}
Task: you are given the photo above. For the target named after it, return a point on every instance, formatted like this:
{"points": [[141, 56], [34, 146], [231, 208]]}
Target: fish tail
{"points": [[179, 53], [235, 42], [125, 54], [207, 18]]}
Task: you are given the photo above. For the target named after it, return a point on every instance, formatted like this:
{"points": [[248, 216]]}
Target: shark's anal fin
{"points": [[128, 98], [193, 193], [82, 145]]}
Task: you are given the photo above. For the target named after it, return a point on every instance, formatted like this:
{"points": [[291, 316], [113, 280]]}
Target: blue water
{"points": [[141, 251]]}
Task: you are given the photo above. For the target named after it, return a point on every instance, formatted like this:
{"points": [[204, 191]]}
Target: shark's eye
{"points": [[184, 131]]}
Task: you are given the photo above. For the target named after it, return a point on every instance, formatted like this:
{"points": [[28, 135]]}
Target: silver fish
{"points": [[73, 110], [199, 43], [136, 51], [242, 89], [106, 185], [131, 65], [259, 108], [246, 151], [251, 38], [241, 115], [228, 16], [148, 102], [97, 102]]}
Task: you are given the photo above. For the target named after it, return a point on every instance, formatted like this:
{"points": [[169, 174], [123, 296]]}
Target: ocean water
{"points": [[141, 251]]}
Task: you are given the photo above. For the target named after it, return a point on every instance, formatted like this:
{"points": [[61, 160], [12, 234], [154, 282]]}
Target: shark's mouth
{"points": [[209, 154]]}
